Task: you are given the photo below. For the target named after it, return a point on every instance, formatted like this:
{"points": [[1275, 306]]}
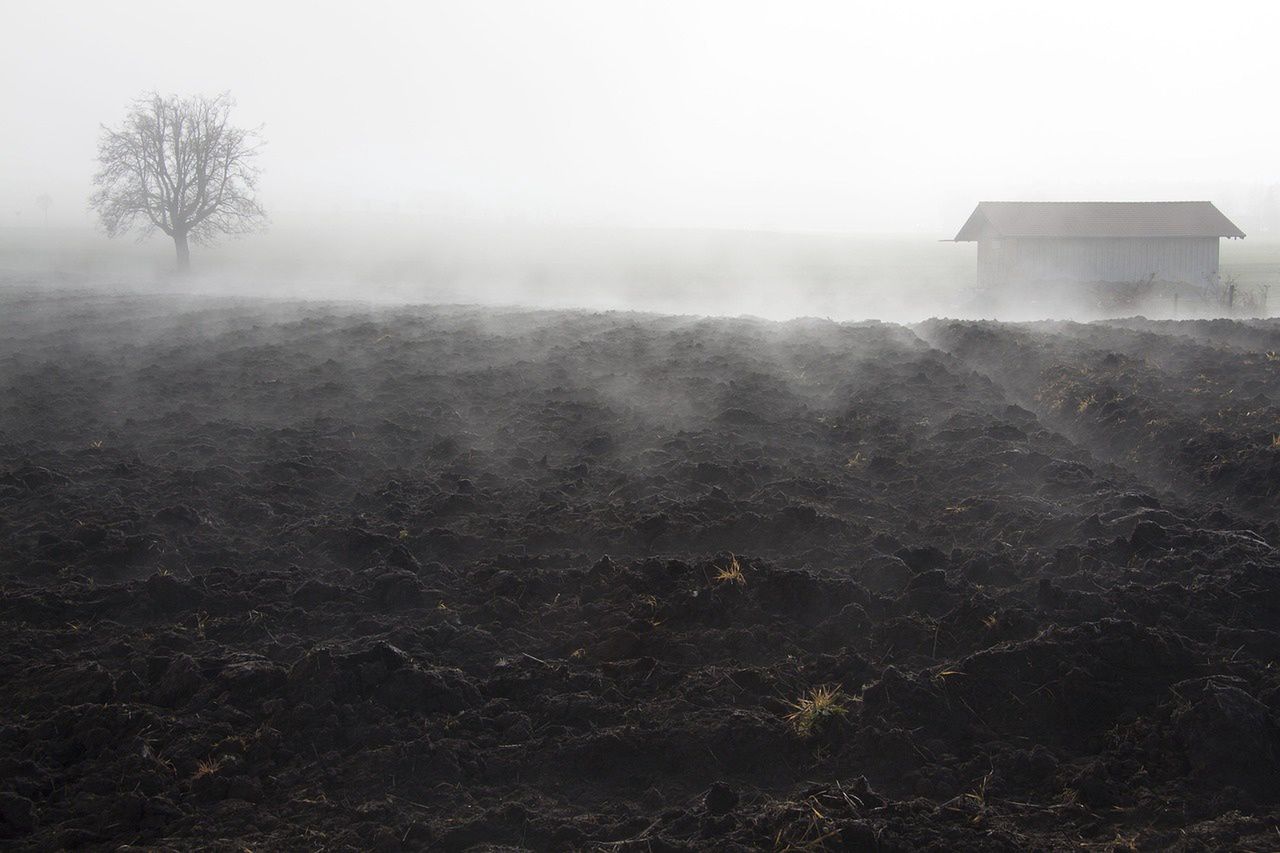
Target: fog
{"points": [[577, 427], [765, 274], [708, 157]]}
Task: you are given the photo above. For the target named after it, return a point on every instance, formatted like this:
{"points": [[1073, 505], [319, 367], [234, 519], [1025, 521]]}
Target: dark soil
{"points": [[282, 576]]}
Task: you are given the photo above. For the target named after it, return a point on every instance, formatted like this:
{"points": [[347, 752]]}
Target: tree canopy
{"points": [[179, 166]]}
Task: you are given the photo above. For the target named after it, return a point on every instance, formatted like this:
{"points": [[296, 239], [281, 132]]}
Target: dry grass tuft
{"points": [[820, 706], [732, 573], [207, 768]]}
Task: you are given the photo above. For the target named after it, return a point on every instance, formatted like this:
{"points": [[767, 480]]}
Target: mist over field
{"points": [[766, 274], [707, 158], [769, 274], [631, 426]]}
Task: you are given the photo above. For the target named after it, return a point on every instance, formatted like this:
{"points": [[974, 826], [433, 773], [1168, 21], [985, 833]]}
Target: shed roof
{"points": [[1098, 219]]}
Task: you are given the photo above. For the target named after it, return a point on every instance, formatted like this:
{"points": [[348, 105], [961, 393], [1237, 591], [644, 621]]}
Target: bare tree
{"points": [[44, 201], [179, 166]]}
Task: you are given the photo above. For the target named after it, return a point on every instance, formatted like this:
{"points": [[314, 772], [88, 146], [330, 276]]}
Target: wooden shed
{"points": [[1028, 243]]}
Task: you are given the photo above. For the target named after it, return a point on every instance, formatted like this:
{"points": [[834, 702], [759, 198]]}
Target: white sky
{"points": [[878, 117]]}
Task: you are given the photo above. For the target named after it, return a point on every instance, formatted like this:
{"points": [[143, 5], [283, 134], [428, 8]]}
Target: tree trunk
{"points": [[184, 253]]}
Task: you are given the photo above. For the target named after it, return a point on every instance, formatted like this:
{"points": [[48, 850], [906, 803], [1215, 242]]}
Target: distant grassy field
{"points": [[1252, 262], [767, 274]]}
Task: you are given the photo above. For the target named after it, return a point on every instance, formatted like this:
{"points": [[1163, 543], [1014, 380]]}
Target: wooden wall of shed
{"points": [[1006, 261]]}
